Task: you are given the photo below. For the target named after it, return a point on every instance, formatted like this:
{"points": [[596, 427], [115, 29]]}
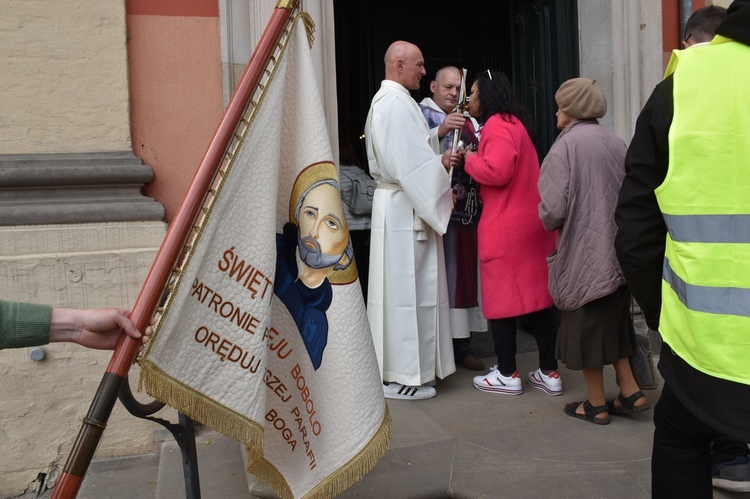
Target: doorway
{"points": [[532, 41]]}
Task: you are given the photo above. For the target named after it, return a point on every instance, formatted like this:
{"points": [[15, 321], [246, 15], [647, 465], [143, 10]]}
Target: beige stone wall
{"points": [[721, 3], [43, 403], [64, 78]]}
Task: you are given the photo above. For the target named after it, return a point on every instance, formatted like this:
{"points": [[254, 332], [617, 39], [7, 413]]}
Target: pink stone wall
{"points": [[174, 52]]}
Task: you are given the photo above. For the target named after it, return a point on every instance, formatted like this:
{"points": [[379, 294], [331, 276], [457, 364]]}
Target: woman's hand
{"points": [[472, 149], [451, 160]]}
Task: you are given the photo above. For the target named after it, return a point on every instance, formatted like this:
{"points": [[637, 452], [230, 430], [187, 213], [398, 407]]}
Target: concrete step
{"points": [[220, 467], [129, 476], [69, 159], [159, 475], [258, 489]]}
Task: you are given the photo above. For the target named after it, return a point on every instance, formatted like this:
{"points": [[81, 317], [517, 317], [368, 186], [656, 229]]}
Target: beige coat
{"points": [[579, 183]]}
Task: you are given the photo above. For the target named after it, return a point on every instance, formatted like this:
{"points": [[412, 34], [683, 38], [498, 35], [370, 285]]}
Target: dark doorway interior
{"points": [[532, 41]]}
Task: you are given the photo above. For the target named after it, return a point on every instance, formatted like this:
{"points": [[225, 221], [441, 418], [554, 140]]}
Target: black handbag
{"points": [[642, 359]]}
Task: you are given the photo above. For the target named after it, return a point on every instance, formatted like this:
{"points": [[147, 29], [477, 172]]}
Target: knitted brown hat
{"points": [[581, 98]]}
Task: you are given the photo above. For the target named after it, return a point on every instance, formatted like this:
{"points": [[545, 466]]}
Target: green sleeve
{"points": [[24, 324]]}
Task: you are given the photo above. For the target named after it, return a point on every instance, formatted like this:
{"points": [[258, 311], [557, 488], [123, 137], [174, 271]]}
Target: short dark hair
{"points": [[701, 26]]}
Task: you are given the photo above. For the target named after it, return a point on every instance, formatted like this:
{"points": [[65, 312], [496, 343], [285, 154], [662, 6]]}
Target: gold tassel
{"points": [[419, 228], [309, 27]]}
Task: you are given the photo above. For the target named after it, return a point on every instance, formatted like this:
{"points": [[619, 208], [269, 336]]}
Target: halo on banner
{"points": [[312, 174]]}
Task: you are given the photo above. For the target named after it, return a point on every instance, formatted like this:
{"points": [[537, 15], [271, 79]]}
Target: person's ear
{"points": [[433, 86]]}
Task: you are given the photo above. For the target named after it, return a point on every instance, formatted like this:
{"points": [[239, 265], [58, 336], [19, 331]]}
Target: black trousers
{"points": [[681, 458], [461, 348], [725, 449], [543, 325]]}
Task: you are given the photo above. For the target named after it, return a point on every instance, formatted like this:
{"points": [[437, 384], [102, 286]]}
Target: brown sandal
{"points": [[589, 412]]}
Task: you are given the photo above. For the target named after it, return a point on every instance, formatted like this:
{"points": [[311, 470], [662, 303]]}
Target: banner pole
{"points": [[106, 395]]}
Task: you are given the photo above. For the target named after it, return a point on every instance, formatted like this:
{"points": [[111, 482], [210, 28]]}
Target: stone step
{"points": [[159, 475], [41, 189], [220, 467], [70, 159], [129, 476]]}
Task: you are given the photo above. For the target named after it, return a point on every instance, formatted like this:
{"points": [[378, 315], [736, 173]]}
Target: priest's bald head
{"points": [[404, 64]]}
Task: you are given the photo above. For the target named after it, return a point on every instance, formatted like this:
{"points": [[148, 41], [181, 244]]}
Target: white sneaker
{"points": [[393, 390], [497, 383], [552, 384]]}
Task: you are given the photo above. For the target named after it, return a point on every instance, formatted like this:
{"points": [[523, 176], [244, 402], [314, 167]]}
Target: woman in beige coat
{"points": [[578, 185]]}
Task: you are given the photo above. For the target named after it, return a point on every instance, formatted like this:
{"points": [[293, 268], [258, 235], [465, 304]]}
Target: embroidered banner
{"points": [[264, 335]]}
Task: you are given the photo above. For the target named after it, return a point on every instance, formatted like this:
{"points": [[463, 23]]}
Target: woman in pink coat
{"points": [[513, 244]]}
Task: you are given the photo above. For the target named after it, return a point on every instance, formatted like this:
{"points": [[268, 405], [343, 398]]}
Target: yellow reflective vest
{"points": [[705, 200]]}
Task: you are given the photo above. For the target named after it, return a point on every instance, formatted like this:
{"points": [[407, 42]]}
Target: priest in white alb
{"points": [[407, 299]]}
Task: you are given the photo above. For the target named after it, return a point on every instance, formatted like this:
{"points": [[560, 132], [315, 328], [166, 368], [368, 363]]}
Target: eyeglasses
{"points": [[489, 75]]}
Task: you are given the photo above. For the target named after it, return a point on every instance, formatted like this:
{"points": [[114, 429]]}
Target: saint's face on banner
{"points": [[314, 246], [323, 236]]}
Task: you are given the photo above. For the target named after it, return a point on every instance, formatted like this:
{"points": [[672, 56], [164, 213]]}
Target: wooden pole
{"points": [[106, 395]]}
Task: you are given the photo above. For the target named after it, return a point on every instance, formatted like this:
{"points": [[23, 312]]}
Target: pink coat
{"points": [[513, 244]]}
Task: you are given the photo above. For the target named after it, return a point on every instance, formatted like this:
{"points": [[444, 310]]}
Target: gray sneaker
{"points": [[733, 475]]}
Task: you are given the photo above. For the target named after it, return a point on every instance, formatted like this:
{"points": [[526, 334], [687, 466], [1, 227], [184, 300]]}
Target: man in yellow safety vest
{"points": [[684, 246]]}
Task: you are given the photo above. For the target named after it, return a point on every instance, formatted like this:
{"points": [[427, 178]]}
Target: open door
{"points": [[545, 34]]}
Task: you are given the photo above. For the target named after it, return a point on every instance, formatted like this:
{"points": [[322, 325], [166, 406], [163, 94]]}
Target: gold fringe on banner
{"points": [[358, 466], [203, 409], [338, 481], [268, 474]]}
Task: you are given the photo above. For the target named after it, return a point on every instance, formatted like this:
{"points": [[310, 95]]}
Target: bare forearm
{"points": [[65, 325]]}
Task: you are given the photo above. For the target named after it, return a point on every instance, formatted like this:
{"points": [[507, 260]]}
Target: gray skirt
{"points": [[597, 334]]}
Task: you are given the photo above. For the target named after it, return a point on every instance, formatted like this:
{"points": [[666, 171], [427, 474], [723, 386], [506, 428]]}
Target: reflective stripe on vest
{"points": [[709, 228], [705, 200], [713, 300]]}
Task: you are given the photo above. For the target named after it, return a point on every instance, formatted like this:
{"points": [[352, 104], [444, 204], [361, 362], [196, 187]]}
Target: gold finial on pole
{"points": [[286, 4]]}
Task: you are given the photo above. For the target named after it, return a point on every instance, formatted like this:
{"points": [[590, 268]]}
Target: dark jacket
{"points": [[307, 306], [640, 242]]}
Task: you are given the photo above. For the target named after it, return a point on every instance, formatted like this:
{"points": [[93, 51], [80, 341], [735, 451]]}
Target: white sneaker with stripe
{"points": [[495, 382], [393, 390], [550, 383]]}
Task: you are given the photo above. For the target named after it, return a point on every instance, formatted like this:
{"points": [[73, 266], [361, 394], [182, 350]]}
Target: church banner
{"points": [[264, 333]]}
